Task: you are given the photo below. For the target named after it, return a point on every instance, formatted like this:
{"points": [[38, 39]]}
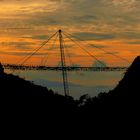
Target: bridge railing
{"points": [[68, 68]]}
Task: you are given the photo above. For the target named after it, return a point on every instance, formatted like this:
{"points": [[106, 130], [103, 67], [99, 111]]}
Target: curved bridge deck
{"points": [[18, 67]]}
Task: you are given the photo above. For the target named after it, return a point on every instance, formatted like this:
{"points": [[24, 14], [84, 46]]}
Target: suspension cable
{"points": [[85, 50], [98, 48], [70, 60], [48, 54], [28, 57]]}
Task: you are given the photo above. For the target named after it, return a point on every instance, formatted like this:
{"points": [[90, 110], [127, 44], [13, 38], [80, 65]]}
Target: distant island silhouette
{"points": [[123, 95]]}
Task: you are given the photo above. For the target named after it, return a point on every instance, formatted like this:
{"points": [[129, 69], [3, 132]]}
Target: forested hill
{"points": [[126, 93], [125, 96], [18, 89]]}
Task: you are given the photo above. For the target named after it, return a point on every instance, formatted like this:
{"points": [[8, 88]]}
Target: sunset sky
{"points": [[112, 25]]}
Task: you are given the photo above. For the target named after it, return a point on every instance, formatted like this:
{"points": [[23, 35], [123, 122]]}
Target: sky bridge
{"points": [[61, 37], [69, 68]]}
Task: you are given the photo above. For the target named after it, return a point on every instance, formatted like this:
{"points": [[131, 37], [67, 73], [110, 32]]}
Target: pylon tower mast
{"points": [[63, 64]]}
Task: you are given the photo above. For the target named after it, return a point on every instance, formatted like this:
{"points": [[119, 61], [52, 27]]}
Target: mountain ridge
{"points": [[125, 94]]}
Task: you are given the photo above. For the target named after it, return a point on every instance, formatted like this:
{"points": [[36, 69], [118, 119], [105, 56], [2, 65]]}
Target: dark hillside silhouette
{"points": [[1, 69], [14, 86], [130, 84], [125, 97]]}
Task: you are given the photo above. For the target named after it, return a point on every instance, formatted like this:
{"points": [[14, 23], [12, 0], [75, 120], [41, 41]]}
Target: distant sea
{"points": [[80, 82]]}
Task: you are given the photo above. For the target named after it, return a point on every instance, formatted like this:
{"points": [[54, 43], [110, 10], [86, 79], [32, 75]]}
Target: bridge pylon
{"points": [[63, 64]]}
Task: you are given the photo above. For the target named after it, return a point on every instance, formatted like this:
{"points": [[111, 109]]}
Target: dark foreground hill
{"points": [[26, 94], [124, 96], [28, 104]]}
